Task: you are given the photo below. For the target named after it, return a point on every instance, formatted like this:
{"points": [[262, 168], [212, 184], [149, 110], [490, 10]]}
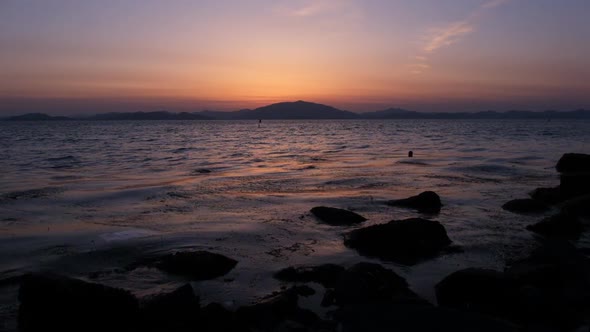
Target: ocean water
{"points": [[89, 198]]}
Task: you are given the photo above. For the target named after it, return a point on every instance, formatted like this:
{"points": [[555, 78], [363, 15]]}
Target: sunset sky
{"points": [[75, 57]]}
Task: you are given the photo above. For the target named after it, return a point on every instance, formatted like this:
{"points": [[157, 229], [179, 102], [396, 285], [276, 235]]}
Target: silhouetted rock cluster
{"points": [[548, 291], [571, 198]]}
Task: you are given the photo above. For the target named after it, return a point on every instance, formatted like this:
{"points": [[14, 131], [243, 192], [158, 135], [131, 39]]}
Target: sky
{"points": [[78, 57]]}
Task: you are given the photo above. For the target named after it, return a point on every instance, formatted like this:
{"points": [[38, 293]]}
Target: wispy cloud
{"points": [[310, 8], [453, 32]]}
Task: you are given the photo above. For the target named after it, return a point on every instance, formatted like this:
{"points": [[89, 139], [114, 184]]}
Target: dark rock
{"points": [[175, 311], [404, 241], [197, 265], [278, 312], [215, 318], [480, 290], [573, 162], [525, 205], [579, 206], [56, 303], [369, 282], [326, 274], [337, 217], [549, 290], [203, 171], [560, 225], [426, 202], [574, 184], [555, 285], [547, 196], [415, 317]]}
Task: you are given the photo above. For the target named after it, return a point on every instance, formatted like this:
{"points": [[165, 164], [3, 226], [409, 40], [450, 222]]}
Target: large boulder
{"points": [[563, 225], [426, 202], [548, 291], [547, 196], [415, 317], [402, 241], [174, 311], [575, 174], [371, 283], [573, 162], [196, 265], [56, 303], [280, 312], [525, 205], [480, 290], [578, 206], [326, 274], [337, 217]]}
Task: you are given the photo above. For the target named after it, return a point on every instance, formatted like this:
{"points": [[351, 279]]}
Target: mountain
{"points": [[284, 111], [403, 114], [149, 116], [37, 117]]}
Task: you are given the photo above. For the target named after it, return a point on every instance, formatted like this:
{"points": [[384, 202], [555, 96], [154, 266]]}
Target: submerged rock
{"points": [[56, 303], [197, 265], [560, 225], [337, 217], [525, 205], [403, 241], [426, 202], [326, 274], [573, 162]]}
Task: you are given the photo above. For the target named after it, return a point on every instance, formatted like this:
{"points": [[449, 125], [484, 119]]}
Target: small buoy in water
{"points": [[411, 154]]}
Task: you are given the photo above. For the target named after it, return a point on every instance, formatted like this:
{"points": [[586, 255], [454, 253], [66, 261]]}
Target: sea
{"points": [[89, 198]]}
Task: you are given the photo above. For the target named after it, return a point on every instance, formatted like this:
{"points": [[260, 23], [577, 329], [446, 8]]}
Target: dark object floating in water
{"points": [[563, 225], [548, 289], [402, 241], [411, 154], [426, 202], [197, 265], [337, 217], [202, 171], [326, 274], [56, 303], [525, 205], [174, 311], [573, 162]]}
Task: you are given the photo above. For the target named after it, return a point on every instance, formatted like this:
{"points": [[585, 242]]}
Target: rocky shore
{"points": [[546, 291]]}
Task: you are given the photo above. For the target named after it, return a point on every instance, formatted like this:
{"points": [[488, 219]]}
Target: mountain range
{"points": [[306, 110]]}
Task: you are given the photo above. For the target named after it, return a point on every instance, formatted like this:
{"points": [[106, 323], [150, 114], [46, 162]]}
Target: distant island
{"points": [[302, 110]]}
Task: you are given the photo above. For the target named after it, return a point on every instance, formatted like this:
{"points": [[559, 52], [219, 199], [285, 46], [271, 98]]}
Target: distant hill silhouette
{"points": [[37, 117], [287, 110], [307, 110]]}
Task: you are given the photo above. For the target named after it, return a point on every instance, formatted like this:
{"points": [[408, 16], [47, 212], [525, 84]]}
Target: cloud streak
{"points": [[452, 33], [312, 8]]}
